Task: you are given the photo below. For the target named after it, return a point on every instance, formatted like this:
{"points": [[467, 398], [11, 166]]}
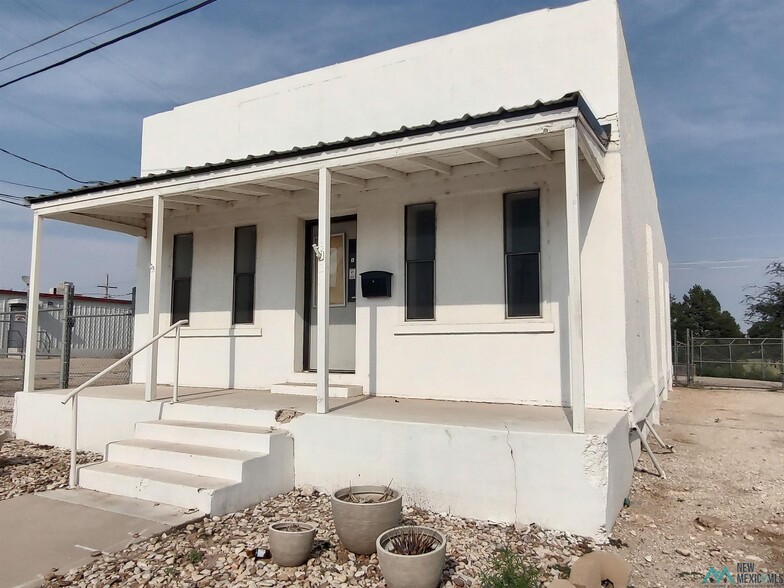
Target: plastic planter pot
{"points": [[360, 523], [411, 571], [291, 542]]}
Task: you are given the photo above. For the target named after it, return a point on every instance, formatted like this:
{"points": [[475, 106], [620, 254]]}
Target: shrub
{"points": [[509, 570]]}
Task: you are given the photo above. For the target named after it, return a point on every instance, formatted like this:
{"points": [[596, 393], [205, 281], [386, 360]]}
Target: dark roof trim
{"points": [[79, 297], [568, 101]]}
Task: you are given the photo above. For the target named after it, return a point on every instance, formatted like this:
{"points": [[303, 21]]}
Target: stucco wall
{"points": [[646, 307], [490, 360], [540, 55]]}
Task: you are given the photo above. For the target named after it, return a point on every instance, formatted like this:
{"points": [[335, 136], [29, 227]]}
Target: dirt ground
{"points": [[48, 372], [722, 503]]}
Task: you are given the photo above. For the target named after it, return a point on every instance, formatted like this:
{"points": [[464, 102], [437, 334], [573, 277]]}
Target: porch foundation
{"points": [[493, 462]]}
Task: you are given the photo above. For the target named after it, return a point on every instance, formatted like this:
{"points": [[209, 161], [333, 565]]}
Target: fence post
{"points": [[65, 339], [689, 357], [782, 359]]}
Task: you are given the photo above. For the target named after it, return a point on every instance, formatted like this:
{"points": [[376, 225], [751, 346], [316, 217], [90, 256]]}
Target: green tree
{"points": [[765, 308], [701, 312]]}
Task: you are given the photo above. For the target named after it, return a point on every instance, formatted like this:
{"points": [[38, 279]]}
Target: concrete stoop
{"points": [[213, 467], [307, 389]]}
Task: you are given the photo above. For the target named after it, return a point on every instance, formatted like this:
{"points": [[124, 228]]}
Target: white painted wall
{"points": [[495, 362], [647, 382], [540, 55]]}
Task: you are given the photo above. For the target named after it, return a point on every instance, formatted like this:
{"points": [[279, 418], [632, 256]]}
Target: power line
{"points": [[26, 185], [54, 169], [14, 203], [110, 42], [60, 32], [42, 55]]}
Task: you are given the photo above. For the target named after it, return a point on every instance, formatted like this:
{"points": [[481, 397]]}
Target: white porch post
{"points": [[153, 307], [322, 297], [31, 342], [575, 310]]}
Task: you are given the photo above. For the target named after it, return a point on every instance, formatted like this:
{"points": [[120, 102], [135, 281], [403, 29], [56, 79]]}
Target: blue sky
{"points": [[709, 78]]}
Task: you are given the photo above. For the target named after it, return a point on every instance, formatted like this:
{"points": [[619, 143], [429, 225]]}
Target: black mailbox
{"points": [[376, 284]]}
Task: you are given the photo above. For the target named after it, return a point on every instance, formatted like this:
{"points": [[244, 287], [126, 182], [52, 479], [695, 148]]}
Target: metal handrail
{"points": [[73, 396]]}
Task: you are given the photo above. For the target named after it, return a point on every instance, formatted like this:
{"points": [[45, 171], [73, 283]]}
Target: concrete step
{"points": [[220, 435], [157, 485], [305, 389], [216, 462]]}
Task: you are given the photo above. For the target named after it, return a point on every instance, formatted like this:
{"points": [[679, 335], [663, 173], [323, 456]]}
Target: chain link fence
{"points": [[74, 343], [724, 361]]}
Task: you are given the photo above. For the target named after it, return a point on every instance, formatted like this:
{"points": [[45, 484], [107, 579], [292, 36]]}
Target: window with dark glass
{"points": [[182, 266], [522, 252], [420, 261], [244, 274]]}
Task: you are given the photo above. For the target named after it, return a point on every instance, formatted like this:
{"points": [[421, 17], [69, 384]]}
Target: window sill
{"points": [[512, 327], [238, 331]]}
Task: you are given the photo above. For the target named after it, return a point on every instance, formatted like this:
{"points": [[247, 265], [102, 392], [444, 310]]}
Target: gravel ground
{"points": [[212, 552], [6, 411], [722, 502], [26, 467]]}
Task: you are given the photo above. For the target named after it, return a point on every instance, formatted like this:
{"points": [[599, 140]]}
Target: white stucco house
{"points": [[463, 230]]}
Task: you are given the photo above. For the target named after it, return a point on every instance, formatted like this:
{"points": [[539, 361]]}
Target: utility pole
{"points": [[106, 287]]}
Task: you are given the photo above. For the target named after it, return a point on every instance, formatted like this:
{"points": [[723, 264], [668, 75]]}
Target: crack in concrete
{"points": [[514, 470]]}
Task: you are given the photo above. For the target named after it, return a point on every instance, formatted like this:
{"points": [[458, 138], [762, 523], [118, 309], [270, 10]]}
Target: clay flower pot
{"points": [[411, 571], [291, 542], [360, 522]]}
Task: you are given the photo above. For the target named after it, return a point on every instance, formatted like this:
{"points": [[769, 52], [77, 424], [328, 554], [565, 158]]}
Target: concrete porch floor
{"points": [[504, 417], [523, 462]]}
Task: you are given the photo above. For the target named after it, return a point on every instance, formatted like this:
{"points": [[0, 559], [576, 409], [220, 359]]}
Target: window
{"points": [[420, 261], [182, 266], [244, 274], [522, 253]]}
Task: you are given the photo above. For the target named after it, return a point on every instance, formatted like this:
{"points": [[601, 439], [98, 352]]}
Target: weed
{"points": [[509, 570], [194, 556]]}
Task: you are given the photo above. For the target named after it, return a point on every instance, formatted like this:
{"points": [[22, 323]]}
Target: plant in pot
{"points": [[411, 557], [291, 542], [362, 513]]}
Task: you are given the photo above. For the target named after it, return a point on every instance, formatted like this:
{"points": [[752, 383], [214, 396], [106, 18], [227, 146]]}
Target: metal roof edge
{"points": [[571, 99]]}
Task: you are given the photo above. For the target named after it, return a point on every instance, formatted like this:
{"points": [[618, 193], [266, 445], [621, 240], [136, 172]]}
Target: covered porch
{"points": [[472, 155]]}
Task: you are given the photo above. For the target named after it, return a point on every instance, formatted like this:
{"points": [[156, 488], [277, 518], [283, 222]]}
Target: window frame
{"points": [[174, 280], [538, 253], [406, 261], [235, 275]]}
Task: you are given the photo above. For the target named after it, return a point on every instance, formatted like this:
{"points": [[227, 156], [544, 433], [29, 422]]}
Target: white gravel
{"points": [[27, 467], [212, 552]]}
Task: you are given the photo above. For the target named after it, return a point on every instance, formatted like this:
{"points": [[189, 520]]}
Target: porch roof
{"points": [[573, 99], [473, 145]]}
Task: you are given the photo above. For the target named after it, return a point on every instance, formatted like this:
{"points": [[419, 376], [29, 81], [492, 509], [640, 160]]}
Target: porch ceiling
{"points": [[475, 148]]}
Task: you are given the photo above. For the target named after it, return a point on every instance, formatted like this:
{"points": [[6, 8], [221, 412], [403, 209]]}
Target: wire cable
{"points": [[26, 185], [54, 169], [60, 32], [110, 42], [14, 203], [42, 55]]}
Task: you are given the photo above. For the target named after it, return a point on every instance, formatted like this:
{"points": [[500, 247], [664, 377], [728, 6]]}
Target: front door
{"points": [[342, 295]]}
